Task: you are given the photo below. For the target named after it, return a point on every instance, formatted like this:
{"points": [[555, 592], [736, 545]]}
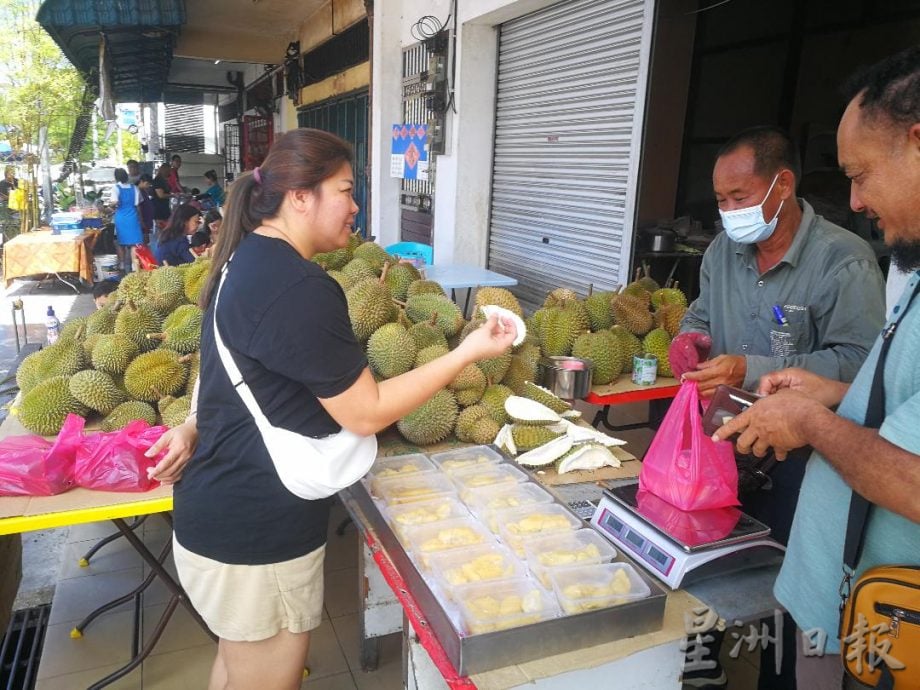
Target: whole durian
{"points": [[96, 390], [112, 353], [137, 320], [432, 422], [369, 307], [152, 375], [44, 408], [128, 412], [391, 350]]}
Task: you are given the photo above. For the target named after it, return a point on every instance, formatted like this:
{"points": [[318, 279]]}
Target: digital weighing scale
{"points": [[680, 547]]}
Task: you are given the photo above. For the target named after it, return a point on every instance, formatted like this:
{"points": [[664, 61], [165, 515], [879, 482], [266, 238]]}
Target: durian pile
{"points": [[136, 358], [405, 322]]}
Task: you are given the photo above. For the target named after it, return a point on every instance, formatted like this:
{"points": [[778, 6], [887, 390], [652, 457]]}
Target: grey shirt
{"points": [[829, 289]]}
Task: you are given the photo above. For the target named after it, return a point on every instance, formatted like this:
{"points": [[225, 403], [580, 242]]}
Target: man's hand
{"points": [[778, 421], [728, 370], [826, 391], [687, 350], [179, 443]]}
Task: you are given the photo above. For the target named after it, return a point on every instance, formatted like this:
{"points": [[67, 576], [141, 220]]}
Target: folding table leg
{"points": [[174, 588]]}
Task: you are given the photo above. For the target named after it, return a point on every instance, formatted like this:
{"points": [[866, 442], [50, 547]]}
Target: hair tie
{"points": [[257, 174]]}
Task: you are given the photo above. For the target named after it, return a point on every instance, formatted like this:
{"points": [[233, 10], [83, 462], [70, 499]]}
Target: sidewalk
{"points": [[183, 656]]}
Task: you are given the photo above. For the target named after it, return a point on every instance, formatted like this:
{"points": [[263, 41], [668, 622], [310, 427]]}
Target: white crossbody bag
{"points": [[311, 468]]}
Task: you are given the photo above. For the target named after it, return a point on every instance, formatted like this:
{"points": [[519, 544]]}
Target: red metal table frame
{"points": [[622, 393], [415, 616]]}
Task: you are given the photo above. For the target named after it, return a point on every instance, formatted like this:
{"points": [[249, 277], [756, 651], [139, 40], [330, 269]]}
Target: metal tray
{"points": [[480, 653]]}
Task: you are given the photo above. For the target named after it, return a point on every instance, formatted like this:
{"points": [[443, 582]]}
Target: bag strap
{"points": [[875, 415], [233, 371]]}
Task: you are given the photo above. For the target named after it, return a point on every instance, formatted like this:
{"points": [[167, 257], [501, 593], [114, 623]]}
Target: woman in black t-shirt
{"points": [[248, 552]]}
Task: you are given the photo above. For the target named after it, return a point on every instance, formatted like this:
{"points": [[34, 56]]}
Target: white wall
{"points": [[464, 174]]}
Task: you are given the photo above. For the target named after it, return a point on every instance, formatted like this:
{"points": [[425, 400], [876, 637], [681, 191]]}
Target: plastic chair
{"points": [[418, 252]]}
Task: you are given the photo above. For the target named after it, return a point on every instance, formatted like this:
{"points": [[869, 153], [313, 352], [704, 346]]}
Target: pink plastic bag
{"points": [[692, 527], [115, 461], [684, 466], [33, 466]]}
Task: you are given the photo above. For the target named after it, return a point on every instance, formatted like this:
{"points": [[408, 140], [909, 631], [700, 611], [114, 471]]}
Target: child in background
{"points": [[102, 292], [126, 198]]}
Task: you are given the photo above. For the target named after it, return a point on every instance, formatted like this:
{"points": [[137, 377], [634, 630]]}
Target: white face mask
{"points": [[747, 225]]}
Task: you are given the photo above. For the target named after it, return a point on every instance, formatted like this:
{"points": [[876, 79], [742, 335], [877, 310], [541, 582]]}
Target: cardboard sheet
{"points": [[73, 500], [624, 384]]}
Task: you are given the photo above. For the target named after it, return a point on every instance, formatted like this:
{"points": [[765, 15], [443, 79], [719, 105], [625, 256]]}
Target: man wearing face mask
{"points": [[780, 287]]}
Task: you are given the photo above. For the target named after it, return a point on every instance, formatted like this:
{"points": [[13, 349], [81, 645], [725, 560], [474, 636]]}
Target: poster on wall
{"points": [[409, 152]]}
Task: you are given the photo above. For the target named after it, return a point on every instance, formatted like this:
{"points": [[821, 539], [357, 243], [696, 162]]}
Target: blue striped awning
{"points": [[140, 36]]}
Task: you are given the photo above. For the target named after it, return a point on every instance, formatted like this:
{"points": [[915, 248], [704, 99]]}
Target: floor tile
{"points": [[325, 658], [182, 631], [340, 681], [83, 679], [342, 552], [389, 673], [91, 530], [77, 597], [346, 630], [188, 669], [342, 594], [106, 642], [117, 555]]}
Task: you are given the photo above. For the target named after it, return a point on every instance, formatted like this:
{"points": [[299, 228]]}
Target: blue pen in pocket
{"points": [[779, 315]]}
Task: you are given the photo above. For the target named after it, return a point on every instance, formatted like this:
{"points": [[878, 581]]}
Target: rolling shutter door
{"points": [[569, 110]]}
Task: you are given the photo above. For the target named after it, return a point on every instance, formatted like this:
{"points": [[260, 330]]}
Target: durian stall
{"points": [[138, 359]]}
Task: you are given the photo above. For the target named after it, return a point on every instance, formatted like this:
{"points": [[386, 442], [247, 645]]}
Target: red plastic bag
{"points": [[684, 466], [145, 258], [33, 466], [115, 461], [692, 527]]}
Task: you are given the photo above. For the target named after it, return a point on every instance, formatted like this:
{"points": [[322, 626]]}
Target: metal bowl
{"points": [[567, 377]]}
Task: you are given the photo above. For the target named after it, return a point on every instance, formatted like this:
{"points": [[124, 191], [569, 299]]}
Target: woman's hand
{"points": [[179, 444], [491, 339]]}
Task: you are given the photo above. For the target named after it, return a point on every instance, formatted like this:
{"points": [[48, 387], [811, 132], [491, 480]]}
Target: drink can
{"points": [[645, 369]]}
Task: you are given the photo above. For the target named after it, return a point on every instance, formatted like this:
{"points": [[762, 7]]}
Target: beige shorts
{"points": [[248, 603]]}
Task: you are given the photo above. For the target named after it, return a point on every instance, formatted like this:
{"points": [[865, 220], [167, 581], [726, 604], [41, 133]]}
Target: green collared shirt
{"points": [[829, 291]]}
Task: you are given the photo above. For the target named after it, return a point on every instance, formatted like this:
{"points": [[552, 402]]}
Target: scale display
{"points": [[670, 543]]}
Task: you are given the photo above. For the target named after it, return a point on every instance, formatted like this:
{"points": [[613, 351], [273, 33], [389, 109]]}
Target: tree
{"points": [[38, 86]]}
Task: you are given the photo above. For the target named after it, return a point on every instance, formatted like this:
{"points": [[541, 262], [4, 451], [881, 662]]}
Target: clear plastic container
{"points": [[397, 466], [566, 549], [518, 525], [489, 606], [406, 515], [486, 476], [421, 486], [590, 587], [437, 537], [485, 503], [483, 563], [464, 458]]}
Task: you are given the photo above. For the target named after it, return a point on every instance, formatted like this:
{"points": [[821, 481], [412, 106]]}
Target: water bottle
{"points": [[52, 326]]}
